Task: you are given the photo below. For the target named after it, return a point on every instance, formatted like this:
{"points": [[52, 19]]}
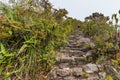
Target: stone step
{"points": [[71, 36], [63, 65], [77, 37], [76, 72], [77, 61], [72, 43], [85, 49], [65, 59], [69, 78], [64, 51], [76, 53], [68, 48], [73, 46], [63, 72], [71, 40], [80, 47], [77, 48]]}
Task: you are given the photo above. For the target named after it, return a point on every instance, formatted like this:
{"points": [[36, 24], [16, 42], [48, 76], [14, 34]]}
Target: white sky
{"points": [[81, 8]]}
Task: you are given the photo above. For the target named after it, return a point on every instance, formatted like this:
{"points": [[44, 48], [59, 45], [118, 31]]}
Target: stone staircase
{"points": [[73, 61]]}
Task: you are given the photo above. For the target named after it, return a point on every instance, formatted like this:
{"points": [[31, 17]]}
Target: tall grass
{"points": [[29, 38]]}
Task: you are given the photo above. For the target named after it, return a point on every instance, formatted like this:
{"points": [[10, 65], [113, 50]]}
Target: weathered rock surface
{"points": [[63, 72], [102, 75], [90, 68], [77, 72]]}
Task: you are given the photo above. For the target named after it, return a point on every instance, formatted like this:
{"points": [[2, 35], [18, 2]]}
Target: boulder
{"points": [[77, 72], [90, 68], [102, 75], [63, 72]]}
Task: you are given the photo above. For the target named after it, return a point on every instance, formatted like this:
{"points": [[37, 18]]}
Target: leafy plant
{"points": [[102, 34], [109, 77], [30, 34]]}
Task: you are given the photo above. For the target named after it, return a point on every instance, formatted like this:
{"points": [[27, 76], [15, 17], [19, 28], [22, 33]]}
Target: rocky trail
{"points": [[73, 62]]}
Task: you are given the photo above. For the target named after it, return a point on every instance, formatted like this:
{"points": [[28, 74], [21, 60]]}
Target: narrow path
{"points": [[73, 61]]}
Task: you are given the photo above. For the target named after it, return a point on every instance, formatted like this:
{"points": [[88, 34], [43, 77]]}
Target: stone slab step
{"points": [[76, 53], [74, 46], [71, 48], [71, 36], [70, 60], [65, 59], [72, 43]]}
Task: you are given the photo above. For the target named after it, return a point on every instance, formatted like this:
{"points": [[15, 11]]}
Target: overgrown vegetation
{"points": [[104, 35], [30, 33], [32, 30]]}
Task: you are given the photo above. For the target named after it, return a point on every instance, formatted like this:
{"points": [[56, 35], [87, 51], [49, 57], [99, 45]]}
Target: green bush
{"points": [[103, 35], [29, 36]]}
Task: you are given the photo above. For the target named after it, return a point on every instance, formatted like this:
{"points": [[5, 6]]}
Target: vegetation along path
{"points": [[73, 61]]}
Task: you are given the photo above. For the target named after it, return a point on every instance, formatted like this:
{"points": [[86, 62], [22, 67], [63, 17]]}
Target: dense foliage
{"points": [[103, 34], [30, 33]]}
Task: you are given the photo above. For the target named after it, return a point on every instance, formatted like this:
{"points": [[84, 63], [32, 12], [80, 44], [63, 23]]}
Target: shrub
{"points": [[102, 34], [29, 37]]}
